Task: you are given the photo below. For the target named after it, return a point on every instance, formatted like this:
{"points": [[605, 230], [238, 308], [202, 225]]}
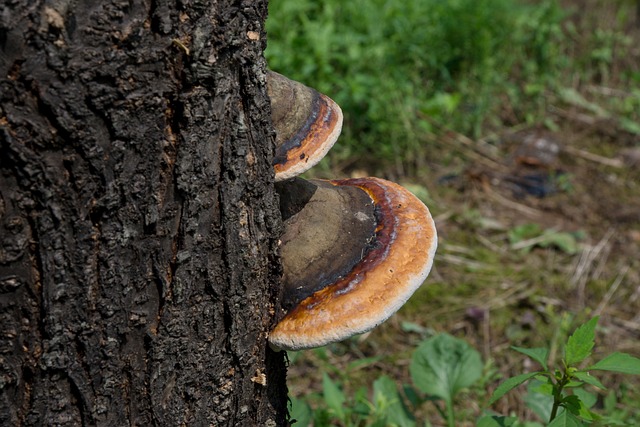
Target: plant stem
{"points": [[554, 410], [451, 422], [557, 394]]}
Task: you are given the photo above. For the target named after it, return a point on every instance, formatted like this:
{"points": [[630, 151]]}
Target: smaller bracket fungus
{"points": [[307, 125], [353, 252]]}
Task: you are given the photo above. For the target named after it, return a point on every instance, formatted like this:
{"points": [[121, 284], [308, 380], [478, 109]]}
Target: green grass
{"points": [[403, 69], [404, 72]]}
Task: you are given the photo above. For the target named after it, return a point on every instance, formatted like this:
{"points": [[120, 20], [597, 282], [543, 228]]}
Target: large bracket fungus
{"points": [[353, 250]]}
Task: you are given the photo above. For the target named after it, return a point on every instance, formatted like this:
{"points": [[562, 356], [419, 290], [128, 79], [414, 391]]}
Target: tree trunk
{"points": [[138, 219]]}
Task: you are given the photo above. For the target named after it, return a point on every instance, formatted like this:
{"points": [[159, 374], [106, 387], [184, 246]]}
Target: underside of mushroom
{"points": [[352, 255]]}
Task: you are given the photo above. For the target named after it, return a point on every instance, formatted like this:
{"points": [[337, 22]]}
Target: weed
{"points": [[560, 394], [444, 367]]}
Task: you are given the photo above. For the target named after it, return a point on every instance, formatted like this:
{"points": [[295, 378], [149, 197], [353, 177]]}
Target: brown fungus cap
{"points": [[353, 252], [307, 125]]}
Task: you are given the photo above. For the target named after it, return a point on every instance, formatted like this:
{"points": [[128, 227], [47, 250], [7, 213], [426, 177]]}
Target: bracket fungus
{"points": [[353, 252], [307, 124]]}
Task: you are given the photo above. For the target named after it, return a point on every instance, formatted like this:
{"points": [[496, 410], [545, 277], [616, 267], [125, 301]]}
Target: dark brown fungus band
{"points": [[353, 252], [307, 124]]}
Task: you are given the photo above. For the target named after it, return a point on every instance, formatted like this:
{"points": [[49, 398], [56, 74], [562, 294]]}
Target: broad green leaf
{"points": [[539, 354], [572, 404], [542, 387], [588, 415], [333, 396], [587, 400], [539, 398], [510, 384], [618, 362], [580, 344], [589, 379], [566, 419], [444, 365], [496, 421], [300, 412], [387, 401]]}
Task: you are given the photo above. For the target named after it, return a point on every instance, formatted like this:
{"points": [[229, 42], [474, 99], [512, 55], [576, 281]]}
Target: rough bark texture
{"points": [[138, 220]]}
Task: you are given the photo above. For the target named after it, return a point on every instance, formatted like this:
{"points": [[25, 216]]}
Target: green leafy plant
{"points": [[442, 367], [570, 403], [385, 408]]}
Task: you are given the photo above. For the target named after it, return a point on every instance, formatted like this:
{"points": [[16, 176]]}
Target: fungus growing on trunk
{"points": [[307, 125], [353, 252]]}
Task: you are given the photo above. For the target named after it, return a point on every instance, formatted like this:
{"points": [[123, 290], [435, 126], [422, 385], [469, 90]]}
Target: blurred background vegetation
{"points": [[405, 70], [518, 123]]}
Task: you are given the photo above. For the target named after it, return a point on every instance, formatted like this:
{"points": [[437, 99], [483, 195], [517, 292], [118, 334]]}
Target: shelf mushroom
{"points": [[307, 125], [353, 252]]}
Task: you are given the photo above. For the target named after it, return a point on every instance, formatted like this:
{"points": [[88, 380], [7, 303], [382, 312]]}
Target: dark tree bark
{"points": [[138, 219]]}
